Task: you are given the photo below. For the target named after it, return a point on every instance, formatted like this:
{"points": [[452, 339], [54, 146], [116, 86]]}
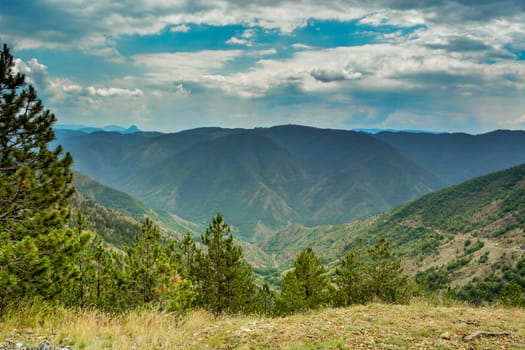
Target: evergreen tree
{"points": [[306, 286], [82, 273], [265, 300], [152, 277], [293, 296], [388, 282], [35, 247], [189, 255], [224, 282], [352, 279], [374, 273], [144, 261]]}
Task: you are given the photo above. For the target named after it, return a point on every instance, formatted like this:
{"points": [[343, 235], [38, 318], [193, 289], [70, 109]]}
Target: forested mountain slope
{"points": [[468, 231], [258, 178]]}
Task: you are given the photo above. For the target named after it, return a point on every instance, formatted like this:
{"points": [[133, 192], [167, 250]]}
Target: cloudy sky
{"points": [[174, 64]]}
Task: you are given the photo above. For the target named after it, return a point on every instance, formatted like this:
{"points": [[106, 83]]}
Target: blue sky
{"points": [[173, 65]]}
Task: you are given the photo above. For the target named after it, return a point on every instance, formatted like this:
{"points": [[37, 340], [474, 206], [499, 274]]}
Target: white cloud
{"points": [[460, 51], [182, 28], [243, 39], [327, 76], [113, 91], [183, 66], [299, 46], [238, 41], [180, 90]]}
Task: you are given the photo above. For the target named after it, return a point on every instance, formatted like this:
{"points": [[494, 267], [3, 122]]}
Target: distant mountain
{"points": [[89, 129], [377, 131], [454, 158], [261, 178], [114, 200], [470, 231]]}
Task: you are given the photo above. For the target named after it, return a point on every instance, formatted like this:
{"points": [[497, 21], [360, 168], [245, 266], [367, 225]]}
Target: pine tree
{"points": [[35, 247], [352, 279], [306, 286], [82, 273], [388, 282], [225, 282], [376, 273], [152, 277], [292, 297], [145, 264], [189, 255], [265, 300]]}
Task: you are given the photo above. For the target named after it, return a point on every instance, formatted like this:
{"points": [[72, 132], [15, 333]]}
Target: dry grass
{"points": [[375, 326]]}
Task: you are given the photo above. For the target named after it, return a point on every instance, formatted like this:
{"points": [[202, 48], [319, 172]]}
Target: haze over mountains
{"points": [[450, 229], [266, 178]]}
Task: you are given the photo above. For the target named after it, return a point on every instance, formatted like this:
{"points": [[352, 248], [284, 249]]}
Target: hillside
{"points": [[117, 217], [119, 201], [258, 178], [375, 326], [457, 157], [266, 178], [115, 227], [471, 231]]}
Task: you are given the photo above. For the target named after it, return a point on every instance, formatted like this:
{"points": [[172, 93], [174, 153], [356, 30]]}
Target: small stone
{"points": [[445, 336], [44, 346]]}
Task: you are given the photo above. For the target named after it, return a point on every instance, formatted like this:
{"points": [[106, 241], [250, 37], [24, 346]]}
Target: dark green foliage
{"points": [[36, 249], [458, 263], [113, 226], [189, 255], [265, 301], [433, 279], [223, 281], [475, 247], [388, 283], [306, 286], [146, 265], [152, 277], [377, 275], [505, 287], [484, 258], [352, 278], [83, 270], [513, 295]]}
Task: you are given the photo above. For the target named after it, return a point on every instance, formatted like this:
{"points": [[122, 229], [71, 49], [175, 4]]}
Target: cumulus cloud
{"points": [[112, 91], [35, 72], [182, 28], [243, 39], [437, 52], [327, 76], [181, 66]]}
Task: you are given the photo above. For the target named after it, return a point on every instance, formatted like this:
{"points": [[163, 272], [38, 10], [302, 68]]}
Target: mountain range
{"points": [[266, 179], [453, 228], [465, 233]]}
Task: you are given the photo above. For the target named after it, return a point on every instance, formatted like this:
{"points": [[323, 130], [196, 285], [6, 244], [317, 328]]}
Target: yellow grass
{"points": [[375, 326]]}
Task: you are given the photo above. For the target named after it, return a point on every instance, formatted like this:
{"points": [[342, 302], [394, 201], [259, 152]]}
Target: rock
{"points": [[44, 346], [445, 336]]}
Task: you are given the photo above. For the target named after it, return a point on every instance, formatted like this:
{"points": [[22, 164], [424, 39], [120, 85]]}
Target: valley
{"points": [[470, 231]]}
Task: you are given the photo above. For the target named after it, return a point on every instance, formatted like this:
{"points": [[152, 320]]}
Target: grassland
{"points": [[375, 326]]}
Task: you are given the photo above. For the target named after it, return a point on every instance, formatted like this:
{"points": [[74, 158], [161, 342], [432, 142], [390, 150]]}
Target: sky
{"points": [[170, 65]]}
